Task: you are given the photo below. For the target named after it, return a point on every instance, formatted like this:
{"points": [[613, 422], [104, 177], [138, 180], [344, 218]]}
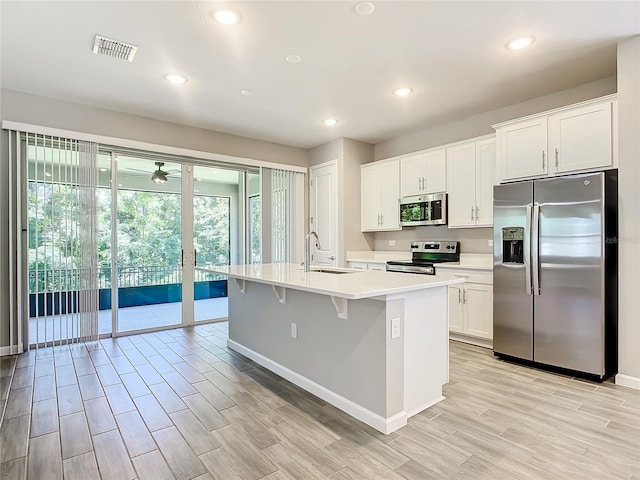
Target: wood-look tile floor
{"points": [[178, 405]]}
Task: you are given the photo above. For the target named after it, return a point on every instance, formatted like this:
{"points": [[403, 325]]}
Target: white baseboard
{"points": [[480, 342], [628, 381], [415, 411], [10, 350], [380, 423]]}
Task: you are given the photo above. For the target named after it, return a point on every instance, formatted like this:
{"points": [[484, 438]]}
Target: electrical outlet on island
{"points": [[392, 243]]}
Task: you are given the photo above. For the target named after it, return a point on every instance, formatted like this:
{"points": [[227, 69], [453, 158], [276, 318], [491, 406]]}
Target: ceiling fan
{"points": [[159, 176]]}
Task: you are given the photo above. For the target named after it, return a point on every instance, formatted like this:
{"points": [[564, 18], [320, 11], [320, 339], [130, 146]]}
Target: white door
{"points": [[456, 311], [523, 149], [412, 174], [389, 195], [324, 212], [461, 185], [478, 301], [485, 180], [435, 176], [370, 185], [580, 139]]}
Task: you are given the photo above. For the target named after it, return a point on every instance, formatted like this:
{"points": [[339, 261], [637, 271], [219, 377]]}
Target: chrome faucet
{"points": [[307, 250]]}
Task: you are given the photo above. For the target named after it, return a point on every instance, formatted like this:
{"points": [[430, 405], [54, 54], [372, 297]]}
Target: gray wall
{"points": [[629, 205], [472, 240], [4, 241], [21, 107], [350, 154], [480, 124]]}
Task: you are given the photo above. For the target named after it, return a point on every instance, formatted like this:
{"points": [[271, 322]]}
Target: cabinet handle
{"points": [[424, 183], [459, 293], [464, 296], [477, 210], [556, 158], [543, 159], [381, 219], [472, 214], [332, 257], [378, 219]]}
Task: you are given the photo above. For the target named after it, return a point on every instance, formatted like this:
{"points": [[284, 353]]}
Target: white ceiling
{"points": [[452, 53]]}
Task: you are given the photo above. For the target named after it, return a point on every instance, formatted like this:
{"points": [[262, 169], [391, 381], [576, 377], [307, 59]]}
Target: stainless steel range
{"points": [[424, 255]]}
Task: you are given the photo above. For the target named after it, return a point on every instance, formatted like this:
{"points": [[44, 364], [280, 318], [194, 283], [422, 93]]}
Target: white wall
{"points": [[628, 214]]}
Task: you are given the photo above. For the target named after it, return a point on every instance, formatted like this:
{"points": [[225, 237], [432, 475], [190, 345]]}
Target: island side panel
{"points": [[346, 357], [426, 348]]}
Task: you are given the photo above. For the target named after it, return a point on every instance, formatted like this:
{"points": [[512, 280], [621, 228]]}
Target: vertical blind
{"points": [[286, 225], [58, 190]]}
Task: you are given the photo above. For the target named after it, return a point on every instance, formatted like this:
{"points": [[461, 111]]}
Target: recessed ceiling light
{"points": [[47, 174], [175, 78], [293, 58], [402, 92], [247, 91], [330, 122], [226, 17], [119, 184], [518, 43], [365, 8], [103, 169], [197, 179], [196, 190]]}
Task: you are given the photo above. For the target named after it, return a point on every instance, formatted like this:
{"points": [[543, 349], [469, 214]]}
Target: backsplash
{"points": [[472, 240]]}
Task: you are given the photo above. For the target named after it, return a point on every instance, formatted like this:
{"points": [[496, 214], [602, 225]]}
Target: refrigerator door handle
{"points": [[535, 254], [527, 250]]}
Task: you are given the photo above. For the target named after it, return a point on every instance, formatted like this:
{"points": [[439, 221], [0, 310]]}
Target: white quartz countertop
{"points": [[471, 261], [354, 285]]}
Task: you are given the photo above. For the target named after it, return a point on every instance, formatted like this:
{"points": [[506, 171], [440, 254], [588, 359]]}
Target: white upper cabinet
{"points": [[470, 180], [572, 139], [523, 149], [423, 173], [380, 191], [581, 138]]}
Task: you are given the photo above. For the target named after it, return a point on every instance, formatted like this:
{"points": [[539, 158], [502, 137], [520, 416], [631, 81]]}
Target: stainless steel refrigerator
{"points": [[555, 272]]}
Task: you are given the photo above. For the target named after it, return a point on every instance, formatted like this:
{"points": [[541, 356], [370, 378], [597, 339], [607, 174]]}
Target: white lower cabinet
{"points": [[471, 305], [367, 266]]}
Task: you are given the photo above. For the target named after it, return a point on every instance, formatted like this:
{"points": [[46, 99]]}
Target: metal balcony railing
{"points": [[68, 279]]}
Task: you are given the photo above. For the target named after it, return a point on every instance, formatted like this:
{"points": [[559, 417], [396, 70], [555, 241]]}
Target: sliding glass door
{"points": [[148, 242], [215, 237]]}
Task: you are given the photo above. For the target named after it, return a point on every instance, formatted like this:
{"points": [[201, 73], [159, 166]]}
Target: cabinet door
{"points": [[435, 172], [357, 265], [456, 312], [580, 139], [412, 174], [370, 181], [389, 195], [485, 180], [478, 303], [522, 149], [461, 185], [378, 267]]}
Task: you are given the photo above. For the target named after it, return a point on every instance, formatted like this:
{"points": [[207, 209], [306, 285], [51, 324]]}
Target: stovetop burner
{"points": [[424, 255]]}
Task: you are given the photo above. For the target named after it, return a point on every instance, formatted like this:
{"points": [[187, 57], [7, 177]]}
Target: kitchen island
{"points": [[374, 344]]}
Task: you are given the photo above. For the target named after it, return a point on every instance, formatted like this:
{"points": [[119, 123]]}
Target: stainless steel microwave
{"points": [[423, 210]]}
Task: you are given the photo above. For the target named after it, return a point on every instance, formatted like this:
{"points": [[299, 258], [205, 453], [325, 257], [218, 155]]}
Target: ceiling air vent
{"points": [[114, 48]]}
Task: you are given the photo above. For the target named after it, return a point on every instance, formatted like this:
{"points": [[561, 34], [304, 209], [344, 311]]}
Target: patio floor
{"points": [[59, 327]]}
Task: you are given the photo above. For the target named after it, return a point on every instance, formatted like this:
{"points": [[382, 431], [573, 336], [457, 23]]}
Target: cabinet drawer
{"points": [[470, 276]]}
